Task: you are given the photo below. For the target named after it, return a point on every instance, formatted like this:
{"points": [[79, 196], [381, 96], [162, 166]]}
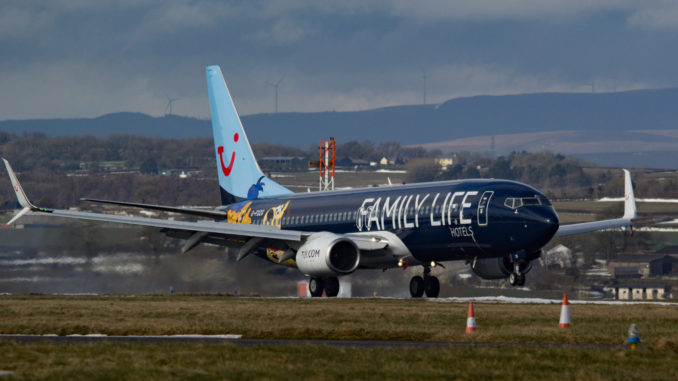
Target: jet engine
{"points": [[497, 268], [328, 255]]}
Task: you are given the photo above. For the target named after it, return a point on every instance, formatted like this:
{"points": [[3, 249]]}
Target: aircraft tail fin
{"points": [[239, 174]]}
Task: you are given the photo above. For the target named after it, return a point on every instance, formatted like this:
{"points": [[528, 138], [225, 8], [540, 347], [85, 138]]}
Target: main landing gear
{"points": [[316, 286], [427, 284], [517, 278]]}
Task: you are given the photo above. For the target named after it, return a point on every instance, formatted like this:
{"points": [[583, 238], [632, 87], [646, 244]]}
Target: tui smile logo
{"points": [[227, 169]]}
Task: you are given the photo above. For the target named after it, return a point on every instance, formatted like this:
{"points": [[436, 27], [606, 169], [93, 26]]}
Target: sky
{"points": [[83, 58]]}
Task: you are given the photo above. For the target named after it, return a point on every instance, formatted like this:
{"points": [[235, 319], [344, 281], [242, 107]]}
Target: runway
{"points": [[251, 342]]}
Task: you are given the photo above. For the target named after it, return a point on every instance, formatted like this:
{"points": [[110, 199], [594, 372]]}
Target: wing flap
{"points": [[244, 230], [188, 211]]}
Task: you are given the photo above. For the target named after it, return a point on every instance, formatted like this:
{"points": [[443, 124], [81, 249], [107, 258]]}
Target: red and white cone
{"points": [[565, 313], [471, 319]]}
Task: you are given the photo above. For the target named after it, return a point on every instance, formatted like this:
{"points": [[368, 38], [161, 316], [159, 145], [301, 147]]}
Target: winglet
{"points": [[630, 211], [20, 195], [16, 217]]}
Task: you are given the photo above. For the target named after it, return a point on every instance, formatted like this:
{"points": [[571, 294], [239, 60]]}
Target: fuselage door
{"points": [[483, 205]]}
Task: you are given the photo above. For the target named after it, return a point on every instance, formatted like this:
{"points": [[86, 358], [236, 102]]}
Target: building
{"points": [[384, 161], [348, 163], [444, 162], [277, 163], [671, 250], [638, 291], [643, 266], [558, 256]]}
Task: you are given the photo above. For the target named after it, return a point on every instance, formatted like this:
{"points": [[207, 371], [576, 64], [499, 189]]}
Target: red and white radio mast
{"points": [[327, 148]]}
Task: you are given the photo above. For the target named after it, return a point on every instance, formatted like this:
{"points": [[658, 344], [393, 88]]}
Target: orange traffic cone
{"points": [[565, 313], [471, 319]]}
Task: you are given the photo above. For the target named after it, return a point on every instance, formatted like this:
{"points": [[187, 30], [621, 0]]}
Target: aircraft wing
{"points": [[199, 227], [630, 213], [247, 235], [189, 211], [247, 230]]}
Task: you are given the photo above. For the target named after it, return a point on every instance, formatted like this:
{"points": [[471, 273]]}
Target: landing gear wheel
{"points": [[432, 287], [516, 279], [315, 287], [417, 287], [332, 287]]}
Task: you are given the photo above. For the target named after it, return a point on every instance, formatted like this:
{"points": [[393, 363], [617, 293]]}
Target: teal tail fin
{"points": [[240, 177]]}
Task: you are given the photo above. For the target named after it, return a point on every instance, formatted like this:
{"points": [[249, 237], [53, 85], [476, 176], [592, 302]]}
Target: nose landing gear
{"points": [[428, 284]]}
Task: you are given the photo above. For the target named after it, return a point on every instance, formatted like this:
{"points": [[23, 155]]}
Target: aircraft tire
{"points": [[316, 287], [417, 287], [521, 280], [331, 287], [432, 287], [513, 279]]}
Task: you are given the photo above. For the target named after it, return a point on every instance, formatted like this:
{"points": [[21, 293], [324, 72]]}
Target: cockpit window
{"points": [[517, 202], [531, 201]]}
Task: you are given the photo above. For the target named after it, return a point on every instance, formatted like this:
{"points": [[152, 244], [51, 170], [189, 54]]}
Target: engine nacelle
{"points": [[328, 254], [496, 268]]}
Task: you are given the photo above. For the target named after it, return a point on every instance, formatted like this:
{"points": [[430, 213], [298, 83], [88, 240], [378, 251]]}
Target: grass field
{"points": [[218, 362], [382, 319]]}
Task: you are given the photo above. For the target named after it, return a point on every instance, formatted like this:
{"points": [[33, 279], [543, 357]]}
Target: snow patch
{"points": [[512, 300]]}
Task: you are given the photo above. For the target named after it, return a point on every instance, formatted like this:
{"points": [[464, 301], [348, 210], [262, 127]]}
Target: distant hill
{"points": [[608, 114], [132, 123]]}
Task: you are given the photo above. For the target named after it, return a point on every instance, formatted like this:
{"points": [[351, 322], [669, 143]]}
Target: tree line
{"points": [[557, 175], [88, 154], [55, 168]]}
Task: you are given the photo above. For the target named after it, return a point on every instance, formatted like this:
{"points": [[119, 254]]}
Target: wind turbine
{"points": [[275, 86], [169, 104], [424, 77]]}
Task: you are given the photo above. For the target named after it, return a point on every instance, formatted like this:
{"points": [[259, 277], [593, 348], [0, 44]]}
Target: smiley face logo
{"points": [[227, 169]]}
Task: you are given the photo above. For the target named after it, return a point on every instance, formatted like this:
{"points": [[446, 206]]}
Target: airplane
{"points": [[497, 226]]}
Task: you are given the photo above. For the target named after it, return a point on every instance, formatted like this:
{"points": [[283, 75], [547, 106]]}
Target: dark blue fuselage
{"points": [[438, 221]]}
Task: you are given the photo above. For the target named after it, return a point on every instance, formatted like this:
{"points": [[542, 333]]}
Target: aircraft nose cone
{"points": [[541, 224], [546, 222]]}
